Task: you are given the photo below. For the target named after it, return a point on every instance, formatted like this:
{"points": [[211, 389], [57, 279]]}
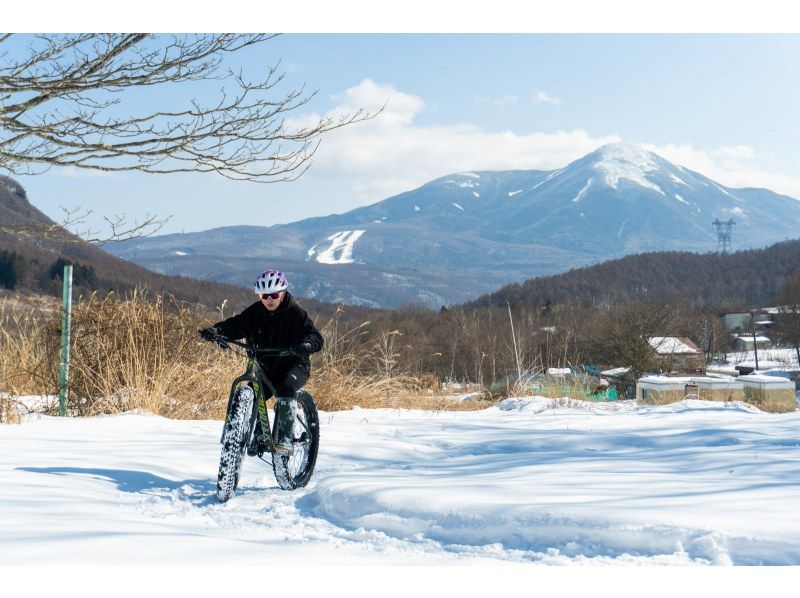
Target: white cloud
{"points": [[732, 166], [541, 97], [392, 153], [398, 107]]}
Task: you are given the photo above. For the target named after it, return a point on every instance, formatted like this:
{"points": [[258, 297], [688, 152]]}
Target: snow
{"points": [[666, 345], [342, 244], [680, 198], [558, 371], [677, 179], [616, 371], [626, 161], [470, 174], [532, 480], [468, 185], [774, 357], [176, 252], [550, 176], [513, 193], [416, 208], [458, 206], [476, 194], [583, 191]]}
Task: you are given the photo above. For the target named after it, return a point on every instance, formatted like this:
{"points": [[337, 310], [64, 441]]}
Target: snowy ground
{"points": [[690, 483], [767, 358]]}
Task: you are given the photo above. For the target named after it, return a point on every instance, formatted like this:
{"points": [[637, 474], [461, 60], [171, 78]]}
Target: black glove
{"points": [[304, 348], [214, 334], [208, 334]]}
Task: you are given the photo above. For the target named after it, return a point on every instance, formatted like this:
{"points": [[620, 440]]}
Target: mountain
{"points": [[466, 234], [36, 260]]}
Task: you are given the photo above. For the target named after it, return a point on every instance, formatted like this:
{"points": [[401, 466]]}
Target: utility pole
{"points": [[514, 341], [755, 344]]}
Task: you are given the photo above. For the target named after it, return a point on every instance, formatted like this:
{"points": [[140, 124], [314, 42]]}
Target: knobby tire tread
{"points": [[280, 461], [234, 443]]}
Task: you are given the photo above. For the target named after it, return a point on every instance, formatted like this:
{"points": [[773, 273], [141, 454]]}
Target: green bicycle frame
{"points": [[257, 380]]}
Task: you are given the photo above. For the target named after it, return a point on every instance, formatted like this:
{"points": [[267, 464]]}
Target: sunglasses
{"points": [[270, 295]]}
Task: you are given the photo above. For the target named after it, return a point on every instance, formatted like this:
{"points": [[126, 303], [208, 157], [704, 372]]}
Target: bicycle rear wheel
{"points": [[293, 470], [234, 442]]}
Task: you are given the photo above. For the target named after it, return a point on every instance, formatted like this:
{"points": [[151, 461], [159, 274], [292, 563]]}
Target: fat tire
{"points": [[234, 442], [285, 464]]}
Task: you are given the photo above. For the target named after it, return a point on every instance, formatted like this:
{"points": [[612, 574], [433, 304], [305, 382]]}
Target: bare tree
{"points": [[788, 319], [61, 105], [628, 328]]}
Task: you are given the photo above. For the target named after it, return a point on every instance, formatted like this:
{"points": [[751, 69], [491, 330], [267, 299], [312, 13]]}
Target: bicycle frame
{"points": [[257, 379]]}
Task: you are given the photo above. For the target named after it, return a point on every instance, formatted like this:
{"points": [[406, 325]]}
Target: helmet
{"points": [[270, 281]]}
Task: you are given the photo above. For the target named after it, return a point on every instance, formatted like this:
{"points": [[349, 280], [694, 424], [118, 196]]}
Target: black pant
{"points": [[288, 384]]}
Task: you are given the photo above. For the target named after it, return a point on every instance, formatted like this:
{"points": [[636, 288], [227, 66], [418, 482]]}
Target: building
{"points": [[677, 353], [745, 342]]}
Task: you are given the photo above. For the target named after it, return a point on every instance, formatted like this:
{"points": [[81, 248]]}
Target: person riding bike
{"points": [[276, 320]]}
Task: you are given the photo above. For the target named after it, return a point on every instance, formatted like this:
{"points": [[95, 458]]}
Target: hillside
{"points": [[742, 279], [39, 268], [469, 233]]}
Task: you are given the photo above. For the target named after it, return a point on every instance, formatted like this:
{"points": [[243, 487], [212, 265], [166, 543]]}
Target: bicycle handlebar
{"points": [[277, 351]]}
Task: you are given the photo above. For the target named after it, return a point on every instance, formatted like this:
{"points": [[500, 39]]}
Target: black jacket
{"points": [[284, 328]]}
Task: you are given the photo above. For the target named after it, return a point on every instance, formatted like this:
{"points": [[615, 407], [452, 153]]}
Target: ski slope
{"points": [[527, 481]]}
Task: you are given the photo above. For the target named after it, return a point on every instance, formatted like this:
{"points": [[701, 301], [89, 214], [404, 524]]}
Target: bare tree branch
{"points": [[120, 228], [57, 109]]}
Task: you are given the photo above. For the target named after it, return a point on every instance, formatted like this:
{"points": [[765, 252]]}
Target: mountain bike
{"points": [[247, 404]]}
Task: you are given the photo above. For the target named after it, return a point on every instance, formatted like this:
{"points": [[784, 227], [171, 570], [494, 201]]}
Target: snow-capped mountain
{"points": [[468, 233]]}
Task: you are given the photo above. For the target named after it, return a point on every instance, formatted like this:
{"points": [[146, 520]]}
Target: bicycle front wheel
{"points": [[293, 470], [234, 442]]}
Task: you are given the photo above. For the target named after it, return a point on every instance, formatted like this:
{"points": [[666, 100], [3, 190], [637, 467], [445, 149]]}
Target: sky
{"points": [[727, 106]]}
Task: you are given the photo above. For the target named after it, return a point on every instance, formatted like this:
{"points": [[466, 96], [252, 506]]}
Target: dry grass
{"points": [[142, 352], [136, 352], [357, 368]]}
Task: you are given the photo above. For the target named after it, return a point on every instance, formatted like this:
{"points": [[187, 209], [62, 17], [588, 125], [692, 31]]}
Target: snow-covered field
{"points": [[689, 483]]}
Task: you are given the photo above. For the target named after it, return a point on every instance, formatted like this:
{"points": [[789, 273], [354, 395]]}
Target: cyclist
{"points": [[276, 320]]}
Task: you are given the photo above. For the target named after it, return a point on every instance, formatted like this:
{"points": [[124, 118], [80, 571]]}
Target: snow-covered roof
{"points": [[665, 381], [770, 381], [558, 371], [615, 371], [749, 337], [673, 345]]}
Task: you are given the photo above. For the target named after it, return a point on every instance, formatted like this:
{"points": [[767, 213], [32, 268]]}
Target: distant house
{"points": [[677, 353], [738, 321], [745, 342], [735, 321]]}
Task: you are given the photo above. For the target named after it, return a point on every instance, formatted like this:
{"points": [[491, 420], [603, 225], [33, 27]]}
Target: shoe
{"points": [[284, 445]]}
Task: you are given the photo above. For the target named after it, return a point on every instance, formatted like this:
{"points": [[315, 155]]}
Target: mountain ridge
{"points": [[480, 230]]}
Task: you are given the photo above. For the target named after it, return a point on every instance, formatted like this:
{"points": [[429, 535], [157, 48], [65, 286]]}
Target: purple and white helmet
{"points": [[270, 281]]}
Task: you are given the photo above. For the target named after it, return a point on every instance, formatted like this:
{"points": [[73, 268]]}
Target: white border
{"points": [[406, 16]]}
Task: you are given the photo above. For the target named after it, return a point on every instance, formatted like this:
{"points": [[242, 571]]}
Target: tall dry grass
{"points": [[142, 351]]}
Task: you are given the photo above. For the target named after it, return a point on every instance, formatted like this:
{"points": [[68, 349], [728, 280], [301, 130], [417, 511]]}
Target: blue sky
{"points": [[725, 105]]}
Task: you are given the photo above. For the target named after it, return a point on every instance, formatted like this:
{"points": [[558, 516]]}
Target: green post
{"points": [[66, 313]]}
